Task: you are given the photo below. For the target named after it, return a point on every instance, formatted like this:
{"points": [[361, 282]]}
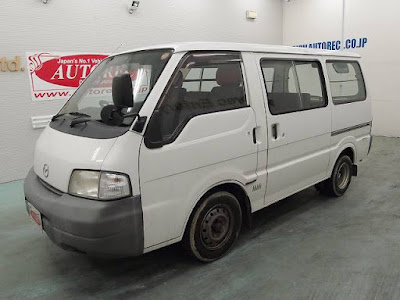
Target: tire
{"points": [[213, 227], [340, 180]]}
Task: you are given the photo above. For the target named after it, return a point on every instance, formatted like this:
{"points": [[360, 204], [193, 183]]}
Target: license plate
{"points": [[35, 215]]}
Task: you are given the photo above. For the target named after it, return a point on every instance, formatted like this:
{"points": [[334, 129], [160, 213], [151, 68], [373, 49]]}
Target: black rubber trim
{"points": [[347, 129], [91, 129]]}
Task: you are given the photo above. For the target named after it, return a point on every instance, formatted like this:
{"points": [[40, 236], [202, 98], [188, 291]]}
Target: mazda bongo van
{"points": [[184, 142]]}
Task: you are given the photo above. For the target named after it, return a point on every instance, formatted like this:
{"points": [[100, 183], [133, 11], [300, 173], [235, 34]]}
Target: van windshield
{"points": [[95, 92]]}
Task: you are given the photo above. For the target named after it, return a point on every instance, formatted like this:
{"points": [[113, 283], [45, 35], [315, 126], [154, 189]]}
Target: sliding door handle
{"points": [[254, 135], [275, 131]]}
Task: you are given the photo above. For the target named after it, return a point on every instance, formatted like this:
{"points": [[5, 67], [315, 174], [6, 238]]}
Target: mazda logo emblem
{"points": [[46, 170]]}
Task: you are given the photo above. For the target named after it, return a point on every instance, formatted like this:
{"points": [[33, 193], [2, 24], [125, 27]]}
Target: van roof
{"points": [[243, 47]]}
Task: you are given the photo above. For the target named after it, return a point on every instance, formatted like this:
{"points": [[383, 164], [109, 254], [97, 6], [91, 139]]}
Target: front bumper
{"points": [[89, 226]]}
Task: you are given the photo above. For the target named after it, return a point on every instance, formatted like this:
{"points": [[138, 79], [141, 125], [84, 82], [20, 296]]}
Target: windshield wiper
{"points": [[56, 116], [74, 113], [79, 114], [87, 118], [80, 120]]}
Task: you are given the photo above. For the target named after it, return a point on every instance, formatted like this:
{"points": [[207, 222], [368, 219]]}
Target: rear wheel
{"points": [[213, 227], [340, 180]]}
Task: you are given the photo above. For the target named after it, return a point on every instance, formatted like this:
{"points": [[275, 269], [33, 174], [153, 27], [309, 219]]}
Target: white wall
{"points": [[306, 21], [100, 26]]}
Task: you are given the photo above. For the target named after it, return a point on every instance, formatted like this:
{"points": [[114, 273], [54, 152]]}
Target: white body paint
{"points": [[218, 147]]}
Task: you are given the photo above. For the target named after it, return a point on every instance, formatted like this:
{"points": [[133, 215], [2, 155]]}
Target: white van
{"points": [[184, 142]]}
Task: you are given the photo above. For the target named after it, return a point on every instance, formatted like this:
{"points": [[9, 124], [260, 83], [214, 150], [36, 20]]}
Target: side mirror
{"points": [[122, 91], [122, 94], [153, 137]]}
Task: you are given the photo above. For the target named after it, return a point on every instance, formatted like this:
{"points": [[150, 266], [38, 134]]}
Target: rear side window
{"points": [[293, 85], [204, 83], [346, 81]]}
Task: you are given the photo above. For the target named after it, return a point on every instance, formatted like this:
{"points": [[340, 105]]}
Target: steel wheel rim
{"points": [[216, 227], [343, 176]]}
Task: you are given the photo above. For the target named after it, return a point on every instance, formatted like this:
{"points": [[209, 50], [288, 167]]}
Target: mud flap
{"points": [[354, 170]]}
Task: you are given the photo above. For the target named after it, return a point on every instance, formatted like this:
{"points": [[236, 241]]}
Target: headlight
{"points": [[99, 185], [84, 184]]}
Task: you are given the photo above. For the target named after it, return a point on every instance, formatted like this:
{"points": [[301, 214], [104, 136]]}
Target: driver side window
{"points": [[204, 83]]}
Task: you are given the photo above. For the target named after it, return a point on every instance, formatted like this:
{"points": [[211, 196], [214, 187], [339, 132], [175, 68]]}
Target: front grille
{"points": [[50, 188]]}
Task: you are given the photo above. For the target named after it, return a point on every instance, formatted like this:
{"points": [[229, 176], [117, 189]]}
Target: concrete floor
{"points": [[305, 247]]}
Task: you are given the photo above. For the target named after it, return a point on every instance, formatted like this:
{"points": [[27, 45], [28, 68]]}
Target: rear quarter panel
{"points": [[347, 116]]}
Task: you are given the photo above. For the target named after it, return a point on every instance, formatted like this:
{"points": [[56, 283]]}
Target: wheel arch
{"points": [[349, 149], [349, 152], [233, 187]]}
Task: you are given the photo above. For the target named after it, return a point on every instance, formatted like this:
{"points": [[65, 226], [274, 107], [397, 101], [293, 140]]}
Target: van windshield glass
{"points": [[144, 68]]}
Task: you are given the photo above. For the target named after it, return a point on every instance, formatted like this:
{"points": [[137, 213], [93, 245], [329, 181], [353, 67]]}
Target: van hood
{"points": [[57, 154]]}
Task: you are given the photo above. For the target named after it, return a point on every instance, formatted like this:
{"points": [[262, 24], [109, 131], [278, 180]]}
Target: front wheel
{"points": [[340, 180], [213, 227]]}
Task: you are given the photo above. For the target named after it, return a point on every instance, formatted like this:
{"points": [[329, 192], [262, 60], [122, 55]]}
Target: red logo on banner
{"points": [[57, 75], [68, 70]]}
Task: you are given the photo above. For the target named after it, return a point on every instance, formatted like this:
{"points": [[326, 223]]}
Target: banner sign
{"points": [[56, 76], [352, 43]]}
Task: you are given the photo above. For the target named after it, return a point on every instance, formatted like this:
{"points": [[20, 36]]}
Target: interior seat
{"points": [[280, 103], [229, 94]]}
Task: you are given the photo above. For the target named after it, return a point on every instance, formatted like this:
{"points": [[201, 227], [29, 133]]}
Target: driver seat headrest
{"points": [[229, 75]]}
